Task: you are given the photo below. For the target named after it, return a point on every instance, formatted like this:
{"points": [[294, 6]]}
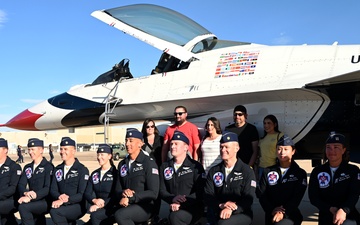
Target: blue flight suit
{"points": [[106, 190], [188, 180], [238, 187], [286, 190], [39, 181], [74, 186], [339, 190], [143, 178], [10, 173]]}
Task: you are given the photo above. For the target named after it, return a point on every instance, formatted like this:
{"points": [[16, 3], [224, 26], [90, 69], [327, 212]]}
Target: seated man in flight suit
{"points": [[68, 186], [138, 182], [230, 186], [34, 186], [182, 181], [9, 177]]}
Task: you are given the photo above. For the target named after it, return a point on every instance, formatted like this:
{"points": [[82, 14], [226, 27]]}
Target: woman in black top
{"points": [[152, 140], [153, 143]]}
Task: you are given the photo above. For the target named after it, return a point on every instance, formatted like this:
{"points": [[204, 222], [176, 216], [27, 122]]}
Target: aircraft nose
{"points": [[24, 121]]}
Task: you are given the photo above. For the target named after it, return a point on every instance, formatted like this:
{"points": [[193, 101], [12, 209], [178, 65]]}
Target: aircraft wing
{"points": [[344, 78], [178, 45]]}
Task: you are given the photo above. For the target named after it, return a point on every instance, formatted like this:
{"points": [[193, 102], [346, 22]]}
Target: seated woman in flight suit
{"points": [[334, 187], [282, 186], [101, 188]]}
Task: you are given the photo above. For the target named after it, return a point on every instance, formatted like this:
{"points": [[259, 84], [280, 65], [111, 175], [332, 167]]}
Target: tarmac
{"points": [[89, 159]]}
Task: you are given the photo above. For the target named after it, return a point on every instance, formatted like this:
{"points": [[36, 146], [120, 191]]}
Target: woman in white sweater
{"points": [[210, 146]]}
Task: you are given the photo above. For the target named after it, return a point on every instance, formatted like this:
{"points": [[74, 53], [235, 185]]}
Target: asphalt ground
{"points": [[89, 160]]}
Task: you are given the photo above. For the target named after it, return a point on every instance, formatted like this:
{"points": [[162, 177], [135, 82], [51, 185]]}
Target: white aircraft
{"points": [[311, 89]]}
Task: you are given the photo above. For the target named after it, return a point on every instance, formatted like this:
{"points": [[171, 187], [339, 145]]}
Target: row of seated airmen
{"points": [[131, 193]]}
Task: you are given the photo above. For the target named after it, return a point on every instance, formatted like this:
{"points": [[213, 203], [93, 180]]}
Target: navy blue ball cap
{"points": [[285, 141], [133, 133], [335, 138], [3, 143], [180, 136], [104, 148], [229, 137], [35, 142], [66, 141]]}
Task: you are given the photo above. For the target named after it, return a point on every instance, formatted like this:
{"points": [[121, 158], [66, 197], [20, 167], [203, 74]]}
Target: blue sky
{"points": [[46, 47]]}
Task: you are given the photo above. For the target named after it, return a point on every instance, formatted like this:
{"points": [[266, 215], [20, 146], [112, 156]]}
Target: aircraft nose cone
{"points": [[24, 121]]}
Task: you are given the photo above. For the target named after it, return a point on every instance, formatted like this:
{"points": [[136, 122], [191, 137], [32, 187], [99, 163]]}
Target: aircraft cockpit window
{"points": [[160, 22], [214, 43], [104, 78], [168, 63], [205, 45]]}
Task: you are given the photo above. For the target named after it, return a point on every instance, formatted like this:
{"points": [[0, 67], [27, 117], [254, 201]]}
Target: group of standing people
{"points": [[186, 171]]}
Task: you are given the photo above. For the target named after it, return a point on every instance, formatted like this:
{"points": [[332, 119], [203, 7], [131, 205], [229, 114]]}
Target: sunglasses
{"points": [[178, 113], [209, 125], [152, 126], [239, 114]]}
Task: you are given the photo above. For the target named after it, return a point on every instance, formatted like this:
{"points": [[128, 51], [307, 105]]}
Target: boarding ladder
{"points": [[111, 101]]}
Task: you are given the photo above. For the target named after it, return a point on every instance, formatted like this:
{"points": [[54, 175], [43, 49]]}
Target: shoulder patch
{"points": [[253, 183], [155, 171]]}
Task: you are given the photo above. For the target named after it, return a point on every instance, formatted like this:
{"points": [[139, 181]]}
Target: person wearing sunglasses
{"points": [[153, 143], [248, 136], [189, 129]]}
